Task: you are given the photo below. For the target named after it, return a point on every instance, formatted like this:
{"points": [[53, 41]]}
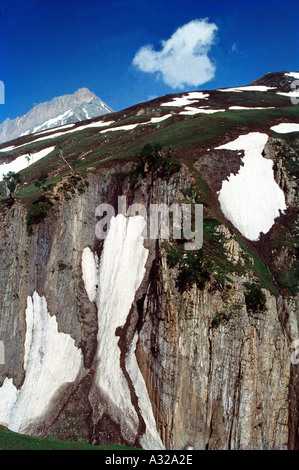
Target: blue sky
{"points": [[49, 48]]}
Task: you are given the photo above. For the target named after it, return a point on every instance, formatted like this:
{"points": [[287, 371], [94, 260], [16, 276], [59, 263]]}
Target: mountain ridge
{"points": [[281, 80], [66, 109]]}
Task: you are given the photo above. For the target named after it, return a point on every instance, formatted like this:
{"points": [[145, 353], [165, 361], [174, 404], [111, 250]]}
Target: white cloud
{"points": [[183, 59]]}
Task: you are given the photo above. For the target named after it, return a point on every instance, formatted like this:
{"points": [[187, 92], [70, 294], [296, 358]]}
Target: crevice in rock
{"points": [[236, 404], [125, 338]]}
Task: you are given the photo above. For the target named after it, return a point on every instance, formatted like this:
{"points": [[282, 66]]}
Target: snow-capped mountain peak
{"points": [[79, 106]]}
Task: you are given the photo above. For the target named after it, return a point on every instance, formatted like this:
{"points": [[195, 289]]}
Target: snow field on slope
{"points": [[244, 107], [51, 360], [53, 129], [58, 134], [52, 121], [285, 127], [20, 163], [251, 199], [290, 94], [293, 75], [120, 273], [248, 88], [129, 127], [153, 120], [190, 111], [7, 149], [79, 128], [185, 100], [122, 268]]}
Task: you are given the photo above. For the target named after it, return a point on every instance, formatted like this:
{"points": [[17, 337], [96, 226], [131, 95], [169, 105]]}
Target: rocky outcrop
{"points": [[281, 81], [222, 386]]}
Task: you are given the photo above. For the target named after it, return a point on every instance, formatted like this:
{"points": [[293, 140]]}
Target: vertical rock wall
{"points": [[225, 385]]}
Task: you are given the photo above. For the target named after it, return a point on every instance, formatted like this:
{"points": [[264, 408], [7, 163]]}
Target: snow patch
{"points": [[290, 94], [185, 100], [51, 360], [189, 111], [89, 273], [127, 127], [244, 107], [52, 121], [248, 88], [86, 113], [199, 95], [293, 75], [54, 129], [23, 161], [58, 134], [121, 271], [7, 149], [158, 119], [92, 124], [285, 128], [251, 199], [79, 128]]}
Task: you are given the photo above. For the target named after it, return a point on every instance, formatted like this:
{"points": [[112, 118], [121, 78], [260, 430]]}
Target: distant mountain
{"points": [[81, 105]]}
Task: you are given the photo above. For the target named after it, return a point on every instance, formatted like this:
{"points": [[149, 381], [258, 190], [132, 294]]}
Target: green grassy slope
{"points": [[13, 441]]}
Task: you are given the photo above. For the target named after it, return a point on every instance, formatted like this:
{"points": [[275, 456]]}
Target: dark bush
{"points": [[255, 299], [37, 212], [190, 266], [148, 149]]}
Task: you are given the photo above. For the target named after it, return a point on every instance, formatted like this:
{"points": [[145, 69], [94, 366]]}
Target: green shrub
{"points": [[220, 317], [37, 212], [148, 149], [210, 263], [41, 183], [190, 266], [158, 164], [12, 182], [255, 299]]}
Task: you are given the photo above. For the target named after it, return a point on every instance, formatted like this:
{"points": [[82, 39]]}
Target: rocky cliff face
{"points": [[180, 369]]}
